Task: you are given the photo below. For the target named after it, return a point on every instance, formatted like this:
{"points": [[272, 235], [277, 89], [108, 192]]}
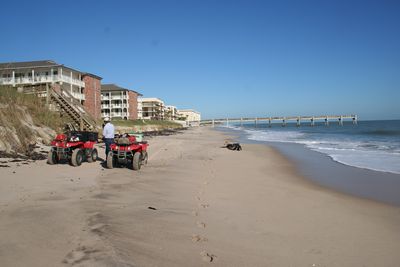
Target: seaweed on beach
{"points": [[11, 155], [165, 132], [29, 155], [37, 156]]}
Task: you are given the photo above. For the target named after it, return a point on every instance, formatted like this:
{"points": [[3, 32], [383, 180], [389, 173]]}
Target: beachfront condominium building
{"points": [[189, 115], [171, 113], [118, 102], [39, 76], [151, 108]]}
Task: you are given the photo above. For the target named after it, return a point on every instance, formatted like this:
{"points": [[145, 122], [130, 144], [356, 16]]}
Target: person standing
{"points": [[108, 134]]}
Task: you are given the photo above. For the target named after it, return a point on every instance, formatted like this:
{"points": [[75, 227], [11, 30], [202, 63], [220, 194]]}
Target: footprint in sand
{"points": [[195, 213], [79, 255], [204, 206], [205, 256], [201, 225], [198, 238], [98, 228]]}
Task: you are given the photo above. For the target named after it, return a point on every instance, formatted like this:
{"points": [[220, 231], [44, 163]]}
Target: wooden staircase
{"points": [[80, 119]]}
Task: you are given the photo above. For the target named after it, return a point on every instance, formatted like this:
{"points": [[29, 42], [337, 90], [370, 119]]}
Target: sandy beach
{"points": [[193, 204]]}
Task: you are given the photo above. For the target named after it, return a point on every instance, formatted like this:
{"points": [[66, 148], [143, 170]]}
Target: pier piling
{"points": [[355, 120]]}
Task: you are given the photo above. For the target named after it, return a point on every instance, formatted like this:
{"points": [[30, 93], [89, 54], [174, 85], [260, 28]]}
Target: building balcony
{"points": [[41, 79], [119, 114], [152, 104], [78, 96], [119, 105], [118, 97], [68, 79]]}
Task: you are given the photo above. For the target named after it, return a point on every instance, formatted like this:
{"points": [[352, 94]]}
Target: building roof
{"points": [[188, 110], [39, 64], [150, 99], [113, 87], [28, 64], [91, 75]]}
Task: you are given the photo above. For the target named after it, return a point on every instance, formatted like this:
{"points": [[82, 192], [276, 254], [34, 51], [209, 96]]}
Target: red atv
{"points": [[74, 147], [127, 151]]}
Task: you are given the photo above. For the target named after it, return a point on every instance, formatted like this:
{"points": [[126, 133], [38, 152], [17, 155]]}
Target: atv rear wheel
{"points": [[52, 157], [93, 156], [110, 160], [137, 161], [77, 158]]}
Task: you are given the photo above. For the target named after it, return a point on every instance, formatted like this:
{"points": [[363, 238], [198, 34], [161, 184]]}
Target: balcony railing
{"points": [[119, 105], [78, 95], [41, 79]]}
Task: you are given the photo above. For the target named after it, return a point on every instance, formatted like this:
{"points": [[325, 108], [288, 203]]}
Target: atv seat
{"points": [[125, 141]]}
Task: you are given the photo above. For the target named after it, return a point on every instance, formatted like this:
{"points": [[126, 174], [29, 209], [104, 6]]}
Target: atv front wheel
{"points": [[77, 158], [137, 161]]}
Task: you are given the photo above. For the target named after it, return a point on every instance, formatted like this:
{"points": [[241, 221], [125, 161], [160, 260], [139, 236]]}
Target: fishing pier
{"points": [[284, 120]]}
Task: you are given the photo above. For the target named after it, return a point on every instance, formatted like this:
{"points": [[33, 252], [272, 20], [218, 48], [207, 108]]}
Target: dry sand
{"points": [[194, 204]]}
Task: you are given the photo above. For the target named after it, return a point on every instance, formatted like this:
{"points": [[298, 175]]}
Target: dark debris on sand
{"points": [[165, 132], [19, 157]]}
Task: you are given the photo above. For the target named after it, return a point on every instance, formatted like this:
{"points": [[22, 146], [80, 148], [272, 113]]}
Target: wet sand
{"points": [[321, 169], [194, 204]]}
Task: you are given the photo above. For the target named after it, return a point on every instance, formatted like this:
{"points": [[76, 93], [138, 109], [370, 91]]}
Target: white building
{"points": [[39, 76], [119, 102], [189, 115], [171, 113], [151, 108]]}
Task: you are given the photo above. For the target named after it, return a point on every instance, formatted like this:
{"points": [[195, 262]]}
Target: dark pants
{"points": [[108, 142]]}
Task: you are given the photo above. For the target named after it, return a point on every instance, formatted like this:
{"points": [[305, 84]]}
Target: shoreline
{"points": [[194, 204], [359, 182], [324, 171]]}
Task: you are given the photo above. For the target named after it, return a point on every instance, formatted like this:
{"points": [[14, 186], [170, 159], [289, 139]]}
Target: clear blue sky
{"points": [[224, 58]]}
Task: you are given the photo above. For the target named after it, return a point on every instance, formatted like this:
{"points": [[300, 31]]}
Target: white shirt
{"points": [[108, 130]]}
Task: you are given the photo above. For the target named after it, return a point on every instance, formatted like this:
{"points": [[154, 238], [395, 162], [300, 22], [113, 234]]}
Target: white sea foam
{"points": [[373, 160], [274, 136], [372, 155]]}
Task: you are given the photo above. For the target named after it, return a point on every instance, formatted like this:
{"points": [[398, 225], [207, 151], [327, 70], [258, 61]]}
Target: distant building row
{"points": [[122, 103], [99, 100]]}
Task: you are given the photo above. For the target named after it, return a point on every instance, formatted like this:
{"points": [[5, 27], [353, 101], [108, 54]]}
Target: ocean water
{"points": [[373, 145]]}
